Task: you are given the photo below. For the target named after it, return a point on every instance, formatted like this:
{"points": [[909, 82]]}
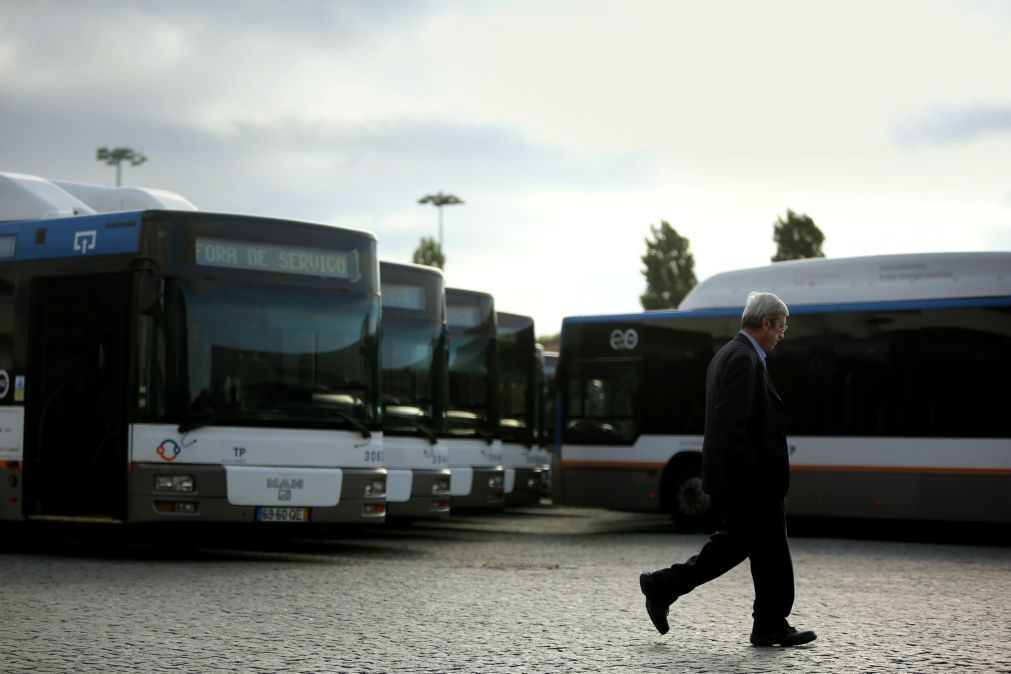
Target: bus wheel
{"points": [[690, 506]]}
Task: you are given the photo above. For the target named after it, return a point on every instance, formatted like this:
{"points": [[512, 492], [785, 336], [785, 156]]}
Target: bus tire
{"points": [[689, 506]]}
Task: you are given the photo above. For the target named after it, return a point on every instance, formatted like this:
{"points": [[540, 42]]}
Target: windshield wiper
{"points": [[217, 418], [358, 425], [268, 414], [425, 430], [483, 434]]}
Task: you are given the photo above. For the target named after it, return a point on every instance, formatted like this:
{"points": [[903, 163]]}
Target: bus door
{"points": [[76, 396]]}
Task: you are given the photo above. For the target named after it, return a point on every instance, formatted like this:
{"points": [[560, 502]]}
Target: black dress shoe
{"points": [[657, 606], [787, 635]]}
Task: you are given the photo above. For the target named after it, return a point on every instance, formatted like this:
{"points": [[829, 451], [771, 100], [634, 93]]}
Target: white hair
{"points": [[762, 305]]}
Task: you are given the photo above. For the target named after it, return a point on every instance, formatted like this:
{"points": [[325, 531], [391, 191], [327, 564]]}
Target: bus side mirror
{"points": [[149, 295]]}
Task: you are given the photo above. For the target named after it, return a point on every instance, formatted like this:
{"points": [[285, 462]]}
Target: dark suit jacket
{"points": [[744, 453]]}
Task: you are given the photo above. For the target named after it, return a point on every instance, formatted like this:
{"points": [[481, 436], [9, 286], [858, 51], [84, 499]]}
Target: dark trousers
{"points": [[752, 529]]}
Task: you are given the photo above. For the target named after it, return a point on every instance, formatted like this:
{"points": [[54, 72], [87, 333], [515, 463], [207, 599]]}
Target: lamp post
{"points": [[116, 157], [439, 200]]}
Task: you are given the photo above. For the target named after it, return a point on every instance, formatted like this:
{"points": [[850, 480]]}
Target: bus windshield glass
{"points": [[470, 411], [600, 401], [256, 355], [516, 372], [411, 375]]}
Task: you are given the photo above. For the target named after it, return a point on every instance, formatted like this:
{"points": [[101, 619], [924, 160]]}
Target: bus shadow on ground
{"points": [[211, 543], [948, 533]]}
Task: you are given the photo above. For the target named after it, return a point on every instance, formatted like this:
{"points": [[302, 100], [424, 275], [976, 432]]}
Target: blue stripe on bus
{"points": [[890, 305], [83, 236]]}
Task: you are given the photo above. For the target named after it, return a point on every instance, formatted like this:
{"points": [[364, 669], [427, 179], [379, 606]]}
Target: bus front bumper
{"points": [[478, 487], [430, 496], [203, 496], [528, 486]]}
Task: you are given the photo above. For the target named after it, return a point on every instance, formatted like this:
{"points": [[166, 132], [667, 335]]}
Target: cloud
{"points": [[568, 128], [325, 170], [336, 23], [952, 125]]}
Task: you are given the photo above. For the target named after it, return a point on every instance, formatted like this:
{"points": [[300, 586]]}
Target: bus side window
{"points": [[151, 362], [7, 288]]}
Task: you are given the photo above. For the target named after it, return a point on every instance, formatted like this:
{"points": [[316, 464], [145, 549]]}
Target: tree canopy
{"points": [[669, 268], [429, 253], [797, 238]]}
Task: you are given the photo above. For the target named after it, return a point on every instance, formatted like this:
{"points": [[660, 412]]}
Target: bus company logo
{"points": [[169, 449], [285, 483], [624, 340], [284, 486], [85, 241]]}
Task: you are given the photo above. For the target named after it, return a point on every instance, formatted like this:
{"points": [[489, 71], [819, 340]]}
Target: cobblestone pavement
{"points": [[530, 590]]}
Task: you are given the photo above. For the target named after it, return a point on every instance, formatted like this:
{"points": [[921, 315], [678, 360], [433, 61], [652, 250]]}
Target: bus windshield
{"points": [[255, 355], [471, 407], [516, 365], [412, 390], [600, 399]]}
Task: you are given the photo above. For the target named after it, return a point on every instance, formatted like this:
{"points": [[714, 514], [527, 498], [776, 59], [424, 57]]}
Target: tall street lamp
{"points": [[116, 157], [439, 200]]}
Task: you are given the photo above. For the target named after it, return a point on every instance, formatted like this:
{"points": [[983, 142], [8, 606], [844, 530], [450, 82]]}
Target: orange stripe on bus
{"points": [[10, 464], [947, 470], [810, 468], [613, 464]]}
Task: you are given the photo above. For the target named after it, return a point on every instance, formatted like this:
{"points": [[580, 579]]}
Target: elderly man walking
{"points": [[746, 471]]}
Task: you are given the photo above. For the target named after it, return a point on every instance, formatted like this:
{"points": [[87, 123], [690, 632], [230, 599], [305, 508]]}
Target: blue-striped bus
{"points": [[181, 366], [894, 372]]}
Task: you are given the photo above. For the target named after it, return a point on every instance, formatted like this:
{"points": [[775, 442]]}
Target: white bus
{"points": [[180, 366], [415, 357], [475, 448], [527, 464], [894, 372]]}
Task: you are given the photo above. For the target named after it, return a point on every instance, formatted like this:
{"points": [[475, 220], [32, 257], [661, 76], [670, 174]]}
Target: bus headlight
{"points": [[495, 482], [176, 483], [375, 487], [440, 485]]}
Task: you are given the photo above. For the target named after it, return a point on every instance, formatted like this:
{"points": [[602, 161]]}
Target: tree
{"points": [[797, 238], [429, 253], [670, 268], [550, 342]]}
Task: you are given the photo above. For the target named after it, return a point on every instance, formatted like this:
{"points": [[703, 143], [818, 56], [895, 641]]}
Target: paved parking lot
{"points": [[528, 590]]}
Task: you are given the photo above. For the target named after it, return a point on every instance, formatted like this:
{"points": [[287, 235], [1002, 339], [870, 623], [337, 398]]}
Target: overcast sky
{"points": [[567, 127]]}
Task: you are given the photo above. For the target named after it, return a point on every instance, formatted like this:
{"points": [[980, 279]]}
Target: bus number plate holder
{"points": [[274, 514]]}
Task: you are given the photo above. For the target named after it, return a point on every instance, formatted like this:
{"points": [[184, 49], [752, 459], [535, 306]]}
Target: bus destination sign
{"points": [[463, 316], [398, 296], [272, 257]]}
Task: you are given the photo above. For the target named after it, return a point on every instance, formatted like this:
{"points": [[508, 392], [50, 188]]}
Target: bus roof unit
{"points": [[112, 199], [861, 279], [26, 197]]}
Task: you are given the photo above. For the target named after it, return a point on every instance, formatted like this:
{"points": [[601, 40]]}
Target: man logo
{"points": [[85, 241], [624, 340]]}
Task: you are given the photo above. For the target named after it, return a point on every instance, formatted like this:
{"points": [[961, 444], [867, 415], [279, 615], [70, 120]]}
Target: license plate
{"points": [[266, 514]]}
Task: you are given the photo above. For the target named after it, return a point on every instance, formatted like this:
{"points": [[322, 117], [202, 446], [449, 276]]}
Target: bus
{"points": [[415, 362], [472, 417], [526, 465], [549, 418], [182, 366], [894, 373]]}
